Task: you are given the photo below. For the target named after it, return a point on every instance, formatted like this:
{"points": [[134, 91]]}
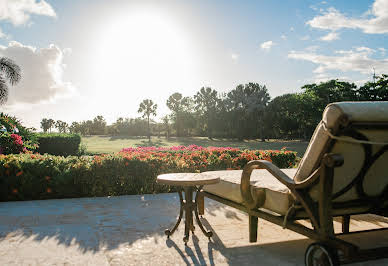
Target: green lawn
{"points": [[109, 144]]}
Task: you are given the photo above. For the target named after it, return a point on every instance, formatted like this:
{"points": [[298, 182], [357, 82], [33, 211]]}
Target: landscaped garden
{"points": [[131, 171], [108, 144]]}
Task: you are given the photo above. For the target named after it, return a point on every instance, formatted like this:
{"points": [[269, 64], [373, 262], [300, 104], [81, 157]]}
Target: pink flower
{"points": [[17, 139]]}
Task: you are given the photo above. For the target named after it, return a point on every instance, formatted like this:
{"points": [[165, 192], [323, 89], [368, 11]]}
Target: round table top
{"points": [[187, 179]]}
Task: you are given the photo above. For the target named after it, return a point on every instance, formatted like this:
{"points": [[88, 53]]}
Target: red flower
{"points": [[19, 173], [17, 139]]}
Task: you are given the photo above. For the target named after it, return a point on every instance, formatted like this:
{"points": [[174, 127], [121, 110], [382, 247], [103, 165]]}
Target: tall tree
{"points": [[45, 125], [98, 126], [175, 104], [61, 126], [374, 91], [148, 108], [51, 124], [206, 101], [166, 123], [9, 72], [247, 106]]}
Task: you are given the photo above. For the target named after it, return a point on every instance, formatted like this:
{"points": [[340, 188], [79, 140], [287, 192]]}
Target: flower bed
{"points": [[132, 171]]}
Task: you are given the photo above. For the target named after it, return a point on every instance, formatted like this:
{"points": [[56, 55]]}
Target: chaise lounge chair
{"points": [[342, 173]]}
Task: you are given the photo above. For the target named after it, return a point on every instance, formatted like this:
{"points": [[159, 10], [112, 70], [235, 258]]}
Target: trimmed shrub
{"points": [[14, 137], [59, 143], [35, 176]]}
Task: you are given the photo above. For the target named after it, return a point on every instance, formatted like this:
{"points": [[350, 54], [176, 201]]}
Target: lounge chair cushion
{"points": [[352, 112], [277, 196]]}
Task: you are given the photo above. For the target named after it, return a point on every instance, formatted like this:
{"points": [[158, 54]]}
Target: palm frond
{"points": [[3, 91], [10, 69]]}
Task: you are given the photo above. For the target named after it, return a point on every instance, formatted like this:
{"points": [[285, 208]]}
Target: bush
{"points": [[59, 143], [34, 176], [14, 137]]}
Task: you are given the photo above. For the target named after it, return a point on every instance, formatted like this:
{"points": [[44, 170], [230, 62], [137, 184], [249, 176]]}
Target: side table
{"points": [[189, 183]]}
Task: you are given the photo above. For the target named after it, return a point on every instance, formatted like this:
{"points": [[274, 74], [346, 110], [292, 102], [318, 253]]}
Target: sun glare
{"points": [[141, 55]]}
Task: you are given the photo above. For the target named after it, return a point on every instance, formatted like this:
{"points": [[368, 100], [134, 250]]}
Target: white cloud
{"points": [[18, 11], [312, 48], [235, 56], [331, 36], [365, 49], [292, 29], [357, 60], [284, 37], [332, 19], [305, 38], [267, 45], [42, 73], [382, 50]]}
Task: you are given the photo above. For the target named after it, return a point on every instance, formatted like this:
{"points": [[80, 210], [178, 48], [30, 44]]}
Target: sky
{"points": [[83, 58]]}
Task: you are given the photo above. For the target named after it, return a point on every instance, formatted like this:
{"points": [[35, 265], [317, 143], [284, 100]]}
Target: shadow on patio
{"points": [[128, 230]]}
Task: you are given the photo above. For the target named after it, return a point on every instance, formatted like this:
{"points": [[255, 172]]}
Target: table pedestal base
{"points": [[188, 206]]}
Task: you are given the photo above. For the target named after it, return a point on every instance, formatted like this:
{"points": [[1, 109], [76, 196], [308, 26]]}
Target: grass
{"points": [[109, 144]]}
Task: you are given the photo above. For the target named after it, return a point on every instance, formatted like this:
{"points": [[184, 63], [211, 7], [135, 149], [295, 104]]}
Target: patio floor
{"points": [[129, 230]]}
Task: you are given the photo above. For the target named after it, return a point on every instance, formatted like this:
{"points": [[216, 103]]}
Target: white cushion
{"points": [[277, 196], [352, 112]]}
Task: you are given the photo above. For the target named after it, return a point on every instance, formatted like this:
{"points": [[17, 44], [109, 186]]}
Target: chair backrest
{"points": [[359, 132]]}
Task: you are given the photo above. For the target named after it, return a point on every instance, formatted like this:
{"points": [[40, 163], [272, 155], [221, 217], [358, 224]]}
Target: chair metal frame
{"points": [[319, 212]]}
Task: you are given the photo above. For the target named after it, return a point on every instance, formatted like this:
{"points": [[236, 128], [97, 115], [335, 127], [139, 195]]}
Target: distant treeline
{"points": [[246, 112]]}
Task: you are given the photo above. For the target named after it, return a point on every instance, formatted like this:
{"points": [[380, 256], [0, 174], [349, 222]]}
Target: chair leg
{"points": [[201, 204], [345, 223], [253, 223]]}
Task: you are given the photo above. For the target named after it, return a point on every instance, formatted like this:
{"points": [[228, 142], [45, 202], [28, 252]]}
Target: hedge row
{"points": [[34, 176], [59, 143]]}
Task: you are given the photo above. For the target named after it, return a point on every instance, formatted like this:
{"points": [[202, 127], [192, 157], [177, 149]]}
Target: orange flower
{"points": [[48, 190], [19, 173], [14, 191], [47, 177]]}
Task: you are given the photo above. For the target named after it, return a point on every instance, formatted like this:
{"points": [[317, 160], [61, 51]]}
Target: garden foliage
{"points": [[132, 171], [14, 137], [59, 143]]}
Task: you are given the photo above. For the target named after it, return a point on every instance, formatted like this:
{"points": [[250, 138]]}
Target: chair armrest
{"points": [[246, 176]]}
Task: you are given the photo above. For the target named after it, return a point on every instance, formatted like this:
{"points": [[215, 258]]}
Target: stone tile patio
{"points": [[128, 230]]}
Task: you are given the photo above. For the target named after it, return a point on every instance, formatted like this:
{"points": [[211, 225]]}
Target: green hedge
{"points": [[34, 176], [59, 143]]}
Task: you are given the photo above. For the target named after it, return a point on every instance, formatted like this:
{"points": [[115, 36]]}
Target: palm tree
{"points": [[148, 107], [10, 72], [51, 124]]}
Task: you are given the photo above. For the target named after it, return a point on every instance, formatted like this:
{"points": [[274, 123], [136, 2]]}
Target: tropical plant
{"points": [[9, 72], [51, 124], [148, 108]]}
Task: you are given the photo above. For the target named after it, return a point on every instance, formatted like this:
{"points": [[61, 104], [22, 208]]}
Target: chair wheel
{"points": [[320, 254]]}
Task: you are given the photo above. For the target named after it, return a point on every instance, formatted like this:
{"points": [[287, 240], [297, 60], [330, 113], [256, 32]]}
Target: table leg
{"points": [[206, 233], [169, 232], [188, 207]]}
